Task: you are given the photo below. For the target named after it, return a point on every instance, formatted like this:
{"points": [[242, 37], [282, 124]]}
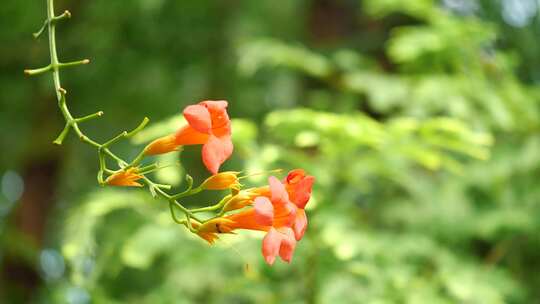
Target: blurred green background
{"points": [[419, 119]]}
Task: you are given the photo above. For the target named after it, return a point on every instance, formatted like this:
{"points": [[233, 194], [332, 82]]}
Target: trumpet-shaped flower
{"points": [[208, 125]]}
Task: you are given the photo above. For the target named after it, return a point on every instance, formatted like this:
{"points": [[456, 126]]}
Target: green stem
{"points": [[215, 207], [58, 141], [141, 126], [42, 70], [188, 192], [173, 215], [138, 159], [89, 117], [115, 139], [52, 48], [206, 209], [73, 63]]}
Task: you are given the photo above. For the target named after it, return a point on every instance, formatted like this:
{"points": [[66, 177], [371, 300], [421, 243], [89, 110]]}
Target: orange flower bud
{"points": [[209, 237], [222, 181], [260, 191], [217, 225], [238, 201], [162, 145], [126, 178]]}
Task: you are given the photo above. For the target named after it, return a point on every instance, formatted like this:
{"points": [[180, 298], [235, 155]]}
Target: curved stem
{"points": [[51, 26], [215, 207]]}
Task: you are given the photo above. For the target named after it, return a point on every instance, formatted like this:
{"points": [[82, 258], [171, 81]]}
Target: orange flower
{"points": [[222, 181], [125, 178], [284, 220], [299, 186], [208, 125], [275, 215]]}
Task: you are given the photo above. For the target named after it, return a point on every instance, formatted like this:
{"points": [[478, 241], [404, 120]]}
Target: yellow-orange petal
{"points": [[217, 225], [238, 201], [187, 135], [246, 219], [126, 178], [222, 181], [221, 124], [209, 237], [260, 191], [162, 145]]}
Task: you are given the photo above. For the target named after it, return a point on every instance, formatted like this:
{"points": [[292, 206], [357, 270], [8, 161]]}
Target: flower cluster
{"points": [[276, 209]]}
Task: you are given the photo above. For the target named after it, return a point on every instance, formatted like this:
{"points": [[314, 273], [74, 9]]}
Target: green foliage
{"points": [[419, 122]]}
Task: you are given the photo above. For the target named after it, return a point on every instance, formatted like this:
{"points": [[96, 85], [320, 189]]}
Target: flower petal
{"points": [[198, 118], [264, 211], [288, 244], [221, 124], [300, 224], [189, 136], [284, 214], [215, 151], [246, 220], [210, 237], [215, 105], [271, 245], [295, 176], [279, 193], [302, 191]]}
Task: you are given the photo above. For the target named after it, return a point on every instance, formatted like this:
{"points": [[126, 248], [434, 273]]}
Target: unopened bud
{"points": [[238, 201], [260, 191], [217, 225], [222, 181], [126, 178], [162, 145]]}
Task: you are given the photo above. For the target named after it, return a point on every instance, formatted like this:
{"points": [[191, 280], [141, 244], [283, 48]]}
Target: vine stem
{"points": [[51, 26], [73, 123]]}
